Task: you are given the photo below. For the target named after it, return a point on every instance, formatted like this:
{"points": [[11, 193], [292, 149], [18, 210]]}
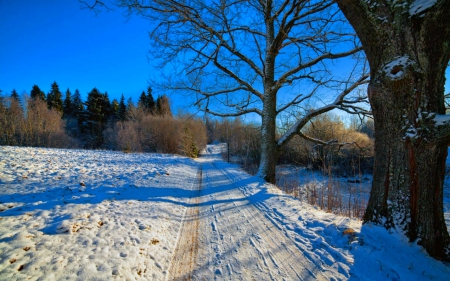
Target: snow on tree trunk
{"points": [[408, 48]]}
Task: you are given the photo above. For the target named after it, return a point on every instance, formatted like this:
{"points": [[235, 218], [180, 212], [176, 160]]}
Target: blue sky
{"points": [[54, 40], [42, 41]]}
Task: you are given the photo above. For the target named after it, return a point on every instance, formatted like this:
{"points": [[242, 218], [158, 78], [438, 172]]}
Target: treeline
{"points": [[51, 121], [346, 151]]}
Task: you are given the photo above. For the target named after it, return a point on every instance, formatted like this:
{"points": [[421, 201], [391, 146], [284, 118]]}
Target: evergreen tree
{"points": [[151, 105], [73, 114], [15, 95], [36, 92], [130, 104], [163, 106], [54, 98], [132, 112], [142, 102], [115, 109], [97, 113], [77, 105], [3, 122], [2, 107], [67, 105], [106, 106], [79, 114], [94, 106], [2, 100], [122, 112]]}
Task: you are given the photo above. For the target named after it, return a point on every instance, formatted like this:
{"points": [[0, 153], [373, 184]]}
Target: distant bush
{"points": [[49, 121], [346, 151], [44, 127], [163, 134], [193, 136], [37, 126]]}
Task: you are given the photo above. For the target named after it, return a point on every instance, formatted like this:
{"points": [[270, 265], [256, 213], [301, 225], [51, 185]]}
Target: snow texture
{"points": [[100, 215], [419, 6], [395, 69], [441, 120], [89, 215]]}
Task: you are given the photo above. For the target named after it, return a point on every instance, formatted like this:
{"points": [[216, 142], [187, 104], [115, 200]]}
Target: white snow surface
{"points": [[418, 6], [395, 69], [441, 120], [101, 215]]}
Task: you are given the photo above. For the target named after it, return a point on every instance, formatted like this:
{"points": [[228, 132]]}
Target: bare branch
{"points": [[96, 6], [317, 60], [238, 79], [324, 143], [298, 99], [339, 102], [240, 113]]}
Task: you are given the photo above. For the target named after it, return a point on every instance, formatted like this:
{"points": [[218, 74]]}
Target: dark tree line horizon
{"points": [[84, 121]]}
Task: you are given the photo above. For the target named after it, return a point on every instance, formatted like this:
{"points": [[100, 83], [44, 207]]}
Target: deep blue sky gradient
{"points": [[42, 41]]}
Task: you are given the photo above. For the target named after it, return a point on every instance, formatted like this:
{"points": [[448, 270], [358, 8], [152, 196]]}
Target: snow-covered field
{"points": [[100, 215], [89, 215]]}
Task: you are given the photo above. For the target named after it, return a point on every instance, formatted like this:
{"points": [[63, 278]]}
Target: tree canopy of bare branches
{"points": [[258, 57]]}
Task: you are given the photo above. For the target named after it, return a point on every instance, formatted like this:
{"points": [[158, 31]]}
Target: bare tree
{"points": [[44, 126], [407, 44], [12, 121], [259, 57]]}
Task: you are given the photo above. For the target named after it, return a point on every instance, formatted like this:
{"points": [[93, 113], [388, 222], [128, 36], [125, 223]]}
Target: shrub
{"points": [[346, 151], [163, 134], [44, 127], [39, 127]]}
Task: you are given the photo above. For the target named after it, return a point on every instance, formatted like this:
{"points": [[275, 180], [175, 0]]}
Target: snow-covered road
{"points": [[236, 241]]}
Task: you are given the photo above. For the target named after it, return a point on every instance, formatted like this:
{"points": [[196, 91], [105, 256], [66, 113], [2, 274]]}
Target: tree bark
{"points": [[408, 53], [269, 146]]}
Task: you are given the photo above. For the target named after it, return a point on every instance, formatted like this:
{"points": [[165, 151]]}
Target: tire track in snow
{"points": [[185, 253]]}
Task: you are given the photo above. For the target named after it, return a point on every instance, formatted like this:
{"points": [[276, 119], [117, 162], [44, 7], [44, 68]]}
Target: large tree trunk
{"points": [[269, 147], [408, 54], [407, 190]]}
